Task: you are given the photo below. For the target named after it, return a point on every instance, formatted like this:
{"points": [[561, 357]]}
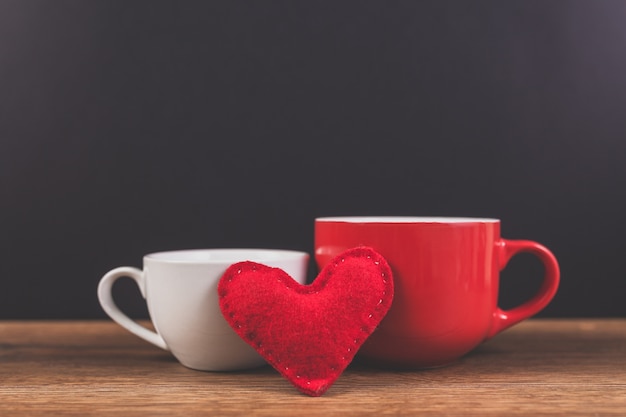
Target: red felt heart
{"points": [[308, 333]]}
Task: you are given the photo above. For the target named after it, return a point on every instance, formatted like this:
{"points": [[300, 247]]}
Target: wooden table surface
{"points": [[540, 367]]}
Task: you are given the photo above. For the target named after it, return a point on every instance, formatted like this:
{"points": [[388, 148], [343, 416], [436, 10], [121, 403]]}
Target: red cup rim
{"points": [[404, 219]]}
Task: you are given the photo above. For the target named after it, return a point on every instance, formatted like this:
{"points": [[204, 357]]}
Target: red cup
{"points": [[446, 277]]}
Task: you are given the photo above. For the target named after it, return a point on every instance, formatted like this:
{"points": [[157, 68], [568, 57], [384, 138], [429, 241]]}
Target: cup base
{"points": [[227, 368]]}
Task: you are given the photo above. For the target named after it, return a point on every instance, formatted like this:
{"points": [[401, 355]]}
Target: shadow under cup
{"points": [[446, 279]]}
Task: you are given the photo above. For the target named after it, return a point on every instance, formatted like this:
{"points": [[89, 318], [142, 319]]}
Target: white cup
{"points": [[180, 288]]}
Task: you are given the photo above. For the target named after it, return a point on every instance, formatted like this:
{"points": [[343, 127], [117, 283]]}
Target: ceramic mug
{"points": [[446, 277], [180, 288]]}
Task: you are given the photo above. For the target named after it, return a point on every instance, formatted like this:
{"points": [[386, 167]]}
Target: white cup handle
{"points": [[108, 305]]}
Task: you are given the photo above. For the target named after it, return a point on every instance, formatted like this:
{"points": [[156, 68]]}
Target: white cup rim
{"points": [[223, 255], [406, 219]]}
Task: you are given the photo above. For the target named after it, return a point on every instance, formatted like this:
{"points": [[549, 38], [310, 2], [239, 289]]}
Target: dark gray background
{"points": [[134, 126]]}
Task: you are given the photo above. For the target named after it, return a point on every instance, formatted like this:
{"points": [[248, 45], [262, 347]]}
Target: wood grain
{"points": [[538, 368]]}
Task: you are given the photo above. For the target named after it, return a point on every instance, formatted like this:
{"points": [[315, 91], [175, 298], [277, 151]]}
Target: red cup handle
{"points": [[506, 249]]}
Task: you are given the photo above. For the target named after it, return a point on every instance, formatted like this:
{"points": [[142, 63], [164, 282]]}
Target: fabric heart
{"points": [[308, 333]]}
